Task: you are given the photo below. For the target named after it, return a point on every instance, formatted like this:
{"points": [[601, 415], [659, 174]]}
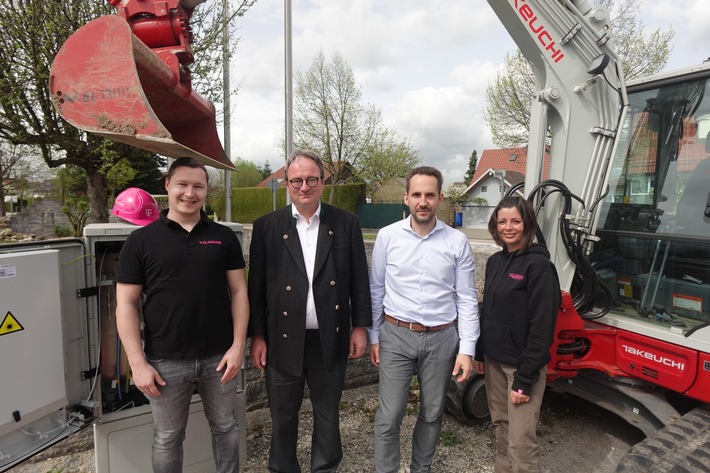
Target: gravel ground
{"points": [[574, 437]]}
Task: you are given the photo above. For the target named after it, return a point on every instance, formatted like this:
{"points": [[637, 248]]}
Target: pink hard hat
{"points": [[136, 206]]}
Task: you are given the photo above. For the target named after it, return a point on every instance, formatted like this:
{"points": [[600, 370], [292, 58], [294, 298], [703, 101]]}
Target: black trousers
{"points": [[285, 393]]}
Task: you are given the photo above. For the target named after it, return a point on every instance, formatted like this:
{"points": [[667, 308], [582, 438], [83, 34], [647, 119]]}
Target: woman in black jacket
{"points": [[518, 315]]}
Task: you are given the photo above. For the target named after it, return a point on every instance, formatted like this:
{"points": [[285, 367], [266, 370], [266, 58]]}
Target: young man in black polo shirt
{"points": [[195, 311]]}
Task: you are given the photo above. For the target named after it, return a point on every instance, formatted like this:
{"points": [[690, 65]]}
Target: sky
{"points": [[424, 64]]}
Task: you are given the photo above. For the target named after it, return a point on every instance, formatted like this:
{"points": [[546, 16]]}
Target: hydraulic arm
{"points": [[580, 99]]}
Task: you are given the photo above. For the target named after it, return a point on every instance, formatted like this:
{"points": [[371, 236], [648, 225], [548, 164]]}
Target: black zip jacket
{"points": [[519, 311]]}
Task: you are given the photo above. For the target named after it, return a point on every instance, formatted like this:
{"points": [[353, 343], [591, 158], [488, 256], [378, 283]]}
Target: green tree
{"points": [[76, 208], [246, 175], [509, 98], [208, 25], [387, 156], [265, 170], [69, 181], [31, 33], [472, 165], [456, 193], [118, 175], [13, 169], [147, 166], [330, 118], [510, 94]]}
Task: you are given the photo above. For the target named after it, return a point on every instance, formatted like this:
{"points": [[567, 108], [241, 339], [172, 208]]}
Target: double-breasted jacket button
{"points": [[330, 232], [285, 237], [284, 313], [337, 329], [288, 288], [332, 283], [284, 336], [337, 306]]}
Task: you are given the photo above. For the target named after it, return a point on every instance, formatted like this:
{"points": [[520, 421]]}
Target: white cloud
{"points": [[689, 20], [475, 77], [444, 124], [424, 64]]}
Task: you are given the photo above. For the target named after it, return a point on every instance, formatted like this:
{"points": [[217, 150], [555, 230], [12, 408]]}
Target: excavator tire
{"points": [[467, 401], [680, 447]]}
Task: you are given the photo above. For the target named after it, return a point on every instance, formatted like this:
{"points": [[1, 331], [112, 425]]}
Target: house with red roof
{"points": [[498, 170], [280, 176]]}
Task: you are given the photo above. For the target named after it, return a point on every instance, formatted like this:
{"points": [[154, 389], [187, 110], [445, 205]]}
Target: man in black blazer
{"points": [[308, 285]]}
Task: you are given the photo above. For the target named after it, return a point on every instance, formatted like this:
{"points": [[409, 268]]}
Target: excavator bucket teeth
{"points": [[104, 80]]}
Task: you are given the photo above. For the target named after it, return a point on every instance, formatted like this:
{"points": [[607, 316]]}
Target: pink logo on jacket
{"points": [[516, 276], [210, 242]]}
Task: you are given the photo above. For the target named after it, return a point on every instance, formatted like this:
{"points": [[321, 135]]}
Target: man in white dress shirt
{"points": [[425, 319]]}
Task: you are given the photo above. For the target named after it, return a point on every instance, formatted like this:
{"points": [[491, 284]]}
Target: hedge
{"points": [[250, 203]]}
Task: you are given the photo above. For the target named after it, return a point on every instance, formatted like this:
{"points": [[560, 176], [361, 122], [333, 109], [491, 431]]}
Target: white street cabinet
{"points": [[63, 368]]}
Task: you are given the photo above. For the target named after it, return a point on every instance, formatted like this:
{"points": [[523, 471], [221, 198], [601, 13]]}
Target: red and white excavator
{"points": [[625, 214]]}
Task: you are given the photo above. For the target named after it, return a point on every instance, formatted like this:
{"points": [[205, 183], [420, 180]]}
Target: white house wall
{"points": [[476, 216]]}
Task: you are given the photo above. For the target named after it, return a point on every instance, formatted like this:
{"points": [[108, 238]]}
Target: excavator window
{"points": [[654, 228]]}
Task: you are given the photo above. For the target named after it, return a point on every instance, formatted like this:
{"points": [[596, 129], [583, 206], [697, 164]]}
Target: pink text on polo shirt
{"points": [[518, 277], [210, 242]]}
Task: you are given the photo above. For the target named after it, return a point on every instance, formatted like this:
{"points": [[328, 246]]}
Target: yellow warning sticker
{"points": [[10, 324]]}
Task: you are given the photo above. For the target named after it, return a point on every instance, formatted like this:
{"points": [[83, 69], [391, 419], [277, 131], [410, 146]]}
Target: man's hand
{"points": [[258, 352], [358, 342], [147, 379], [231, 363], [464, 366], [375, 354], [480, 367]]}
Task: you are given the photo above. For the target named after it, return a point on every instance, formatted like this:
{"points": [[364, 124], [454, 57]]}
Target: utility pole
{"points": [[288, 80], [227, 112]]}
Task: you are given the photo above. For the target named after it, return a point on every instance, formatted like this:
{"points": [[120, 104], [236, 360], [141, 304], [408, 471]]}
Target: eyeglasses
{"points": [[310, 181]]}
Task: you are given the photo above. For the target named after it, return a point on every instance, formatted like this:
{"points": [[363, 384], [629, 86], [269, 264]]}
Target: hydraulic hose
{"points": [[586, 284]]}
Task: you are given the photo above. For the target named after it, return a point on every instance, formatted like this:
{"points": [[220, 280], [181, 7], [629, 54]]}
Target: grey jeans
{"points": [[402, 353], [171, 409]]}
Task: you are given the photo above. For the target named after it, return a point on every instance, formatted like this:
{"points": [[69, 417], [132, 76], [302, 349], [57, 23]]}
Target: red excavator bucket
{"points": [[104, 80]]}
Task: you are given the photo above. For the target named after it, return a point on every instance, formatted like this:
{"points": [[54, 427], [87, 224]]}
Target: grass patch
{"points": [[257, 428], [368, 408], [449, 438]]}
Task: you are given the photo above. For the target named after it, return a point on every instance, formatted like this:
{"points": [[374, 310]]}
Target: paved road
{"points": [[478, 235]]}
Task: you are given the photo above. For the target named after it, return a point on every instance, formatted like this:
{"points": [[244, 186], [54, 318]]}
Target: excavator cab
{"points": [[126, 77]]}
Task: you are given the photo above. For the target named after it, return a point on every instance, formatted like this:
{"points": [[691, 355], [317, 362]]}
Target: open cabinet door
{"points": [[123, 434], [38, 405]]}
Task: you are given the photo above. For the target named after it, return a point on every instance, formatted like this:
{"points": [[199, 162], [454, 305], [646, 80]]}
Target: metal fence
{"points": [[381, 215]]}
